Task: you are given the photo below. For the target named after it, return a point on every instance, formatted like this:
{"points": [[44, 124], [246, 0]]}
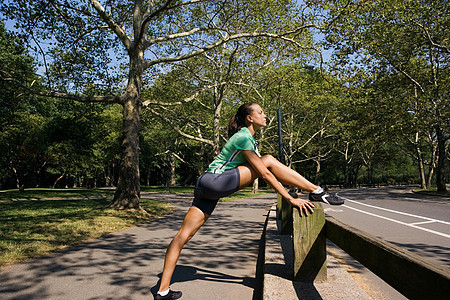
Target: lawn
{"points": [[30, 227], [33, 228], [433, 192], [244, 193], [46, 193]]}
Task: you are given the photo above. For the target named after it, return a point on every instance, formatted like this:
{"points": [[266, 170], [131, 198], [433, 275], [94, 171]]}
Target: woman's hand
{"points": [[303, 205]]}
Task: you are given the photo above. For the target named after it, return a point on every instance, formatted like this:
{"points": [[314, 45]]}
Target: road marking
{"points": [[397, 212], [332, 209], [424, 222], [399, 222]]}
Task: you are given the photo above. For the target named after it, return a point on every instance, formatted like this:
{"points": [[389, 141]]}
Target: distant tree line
{"points": [[377, 113]]}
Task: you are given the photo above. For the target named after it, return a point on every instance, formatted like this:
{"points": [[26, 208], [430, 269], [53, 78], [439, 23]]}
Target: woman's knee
{"points": [[183, 237], [268, 160]]}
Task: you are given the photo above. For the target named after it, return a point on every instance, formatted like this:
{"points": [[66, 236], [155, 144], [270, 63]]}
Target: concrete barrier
{"points": [[408, 273], [405, 271]]}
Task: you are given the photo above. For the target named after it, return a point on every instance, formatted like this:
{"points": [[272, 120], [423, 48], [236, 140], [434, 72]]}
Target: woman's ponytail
{"points": [[237, 121], [232, 126]]}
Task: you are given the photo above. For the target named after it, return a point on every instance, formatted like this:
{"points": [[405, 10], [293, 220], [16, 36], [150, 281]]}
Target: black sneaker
{"points": [[293, 193], [171, 295], [327, 198]]}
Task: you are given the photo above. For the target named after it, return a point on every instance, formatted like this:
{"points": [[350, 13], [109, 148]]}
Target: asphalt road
{"points": [[418, 223]]}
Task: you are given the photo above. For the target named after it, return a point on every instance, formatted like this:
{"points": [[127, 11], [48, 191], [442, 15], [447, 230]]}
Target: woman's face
{"points": [[257, 117]]}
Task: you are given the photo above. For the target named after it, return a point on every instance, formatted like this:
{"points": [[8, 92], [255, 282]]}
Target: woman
{"points": [[238, 164]]}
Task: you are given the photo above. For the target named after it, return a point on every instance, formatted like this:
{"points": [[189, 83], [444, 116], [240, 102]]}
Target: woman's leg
{"points": [[284, 174], [193, 220]]}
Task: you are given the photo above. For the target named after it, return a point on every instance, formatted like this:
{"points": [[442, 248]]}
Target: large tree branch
{"points": [[4, 76], [184, 3], [185, 100], [171, 37], [186, 135], [430, 39], [222, 41], [193, 73], [415, 82], [148, 16], [82, 11], [174, 154], [120, 32], [311, 138]]}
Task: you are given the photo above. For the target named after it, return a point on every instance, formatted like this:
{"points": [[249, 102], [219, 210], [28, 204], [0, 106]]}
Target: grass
{"points": [[163, 189], [46, 193], [244, 193], [32, 228], [433, 192]]}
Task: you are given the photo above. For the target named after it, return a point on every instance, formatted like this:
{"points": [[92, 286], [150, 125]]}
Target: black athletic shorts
{"points": [[211, 187]]}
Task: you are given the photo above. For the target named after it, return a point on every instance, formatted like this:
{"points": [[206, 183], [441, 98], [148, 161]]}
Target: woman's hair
{"points": [[238, 120]]}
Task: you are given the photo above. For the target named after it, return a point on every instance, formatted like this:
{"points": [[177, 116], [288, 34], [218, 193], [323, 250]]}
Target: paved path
{"points": [[219, 263]]}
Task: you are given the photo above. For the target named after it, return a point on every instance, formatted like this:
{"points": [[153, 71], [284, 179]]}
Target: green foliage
{"points": [[74, 60], [404, 47], [342, 125], [43, 139], [82, 141], [21, 117]]}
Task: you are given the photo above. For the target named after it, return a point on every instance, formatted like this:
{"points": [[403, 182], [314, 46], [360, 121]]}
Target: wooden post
{"points": [[309, 238], [285, 215], [279, 202]]}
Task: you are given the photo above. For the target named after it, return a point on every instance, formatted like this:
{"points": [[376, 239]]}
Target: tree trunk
{"points": [[58, 179], [440, 170], [107, 176], [355, 172], [347, 161], [316, 177], [20, 185], [128, 191], [430, 176], [433, 164], [441, 153], [255, 187], [172, 170], [346, 179], [369, 175], [423, 183]]}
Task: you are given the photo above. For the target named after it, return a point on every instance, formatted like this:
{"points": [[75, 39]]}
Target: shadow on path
{"points": [[220, 259]]}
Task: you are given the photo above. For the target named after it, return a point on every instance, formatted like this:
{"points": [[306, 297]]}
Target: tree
{"points": [[79, 41], [81, 141], [20, 114], [406, 38]]}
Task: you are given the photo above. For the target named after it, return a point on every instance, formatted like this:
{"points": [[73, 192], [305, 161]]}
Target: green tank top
{"points": [[231, 155]]}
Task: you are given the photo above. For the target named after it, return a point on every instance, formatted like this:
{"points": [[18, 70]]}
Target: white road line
{"points": [[424, 222], [399, 222], [397, 212]]}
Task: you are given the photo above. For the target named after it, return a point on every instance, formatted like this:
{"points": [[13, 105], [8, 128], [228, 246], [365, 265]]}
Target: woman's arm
{"points": [[258, 165]]}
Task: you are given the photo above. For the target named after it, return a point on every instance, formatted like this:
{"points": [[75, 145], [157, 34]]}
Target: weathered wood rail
{"points": [[407, 272]]}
